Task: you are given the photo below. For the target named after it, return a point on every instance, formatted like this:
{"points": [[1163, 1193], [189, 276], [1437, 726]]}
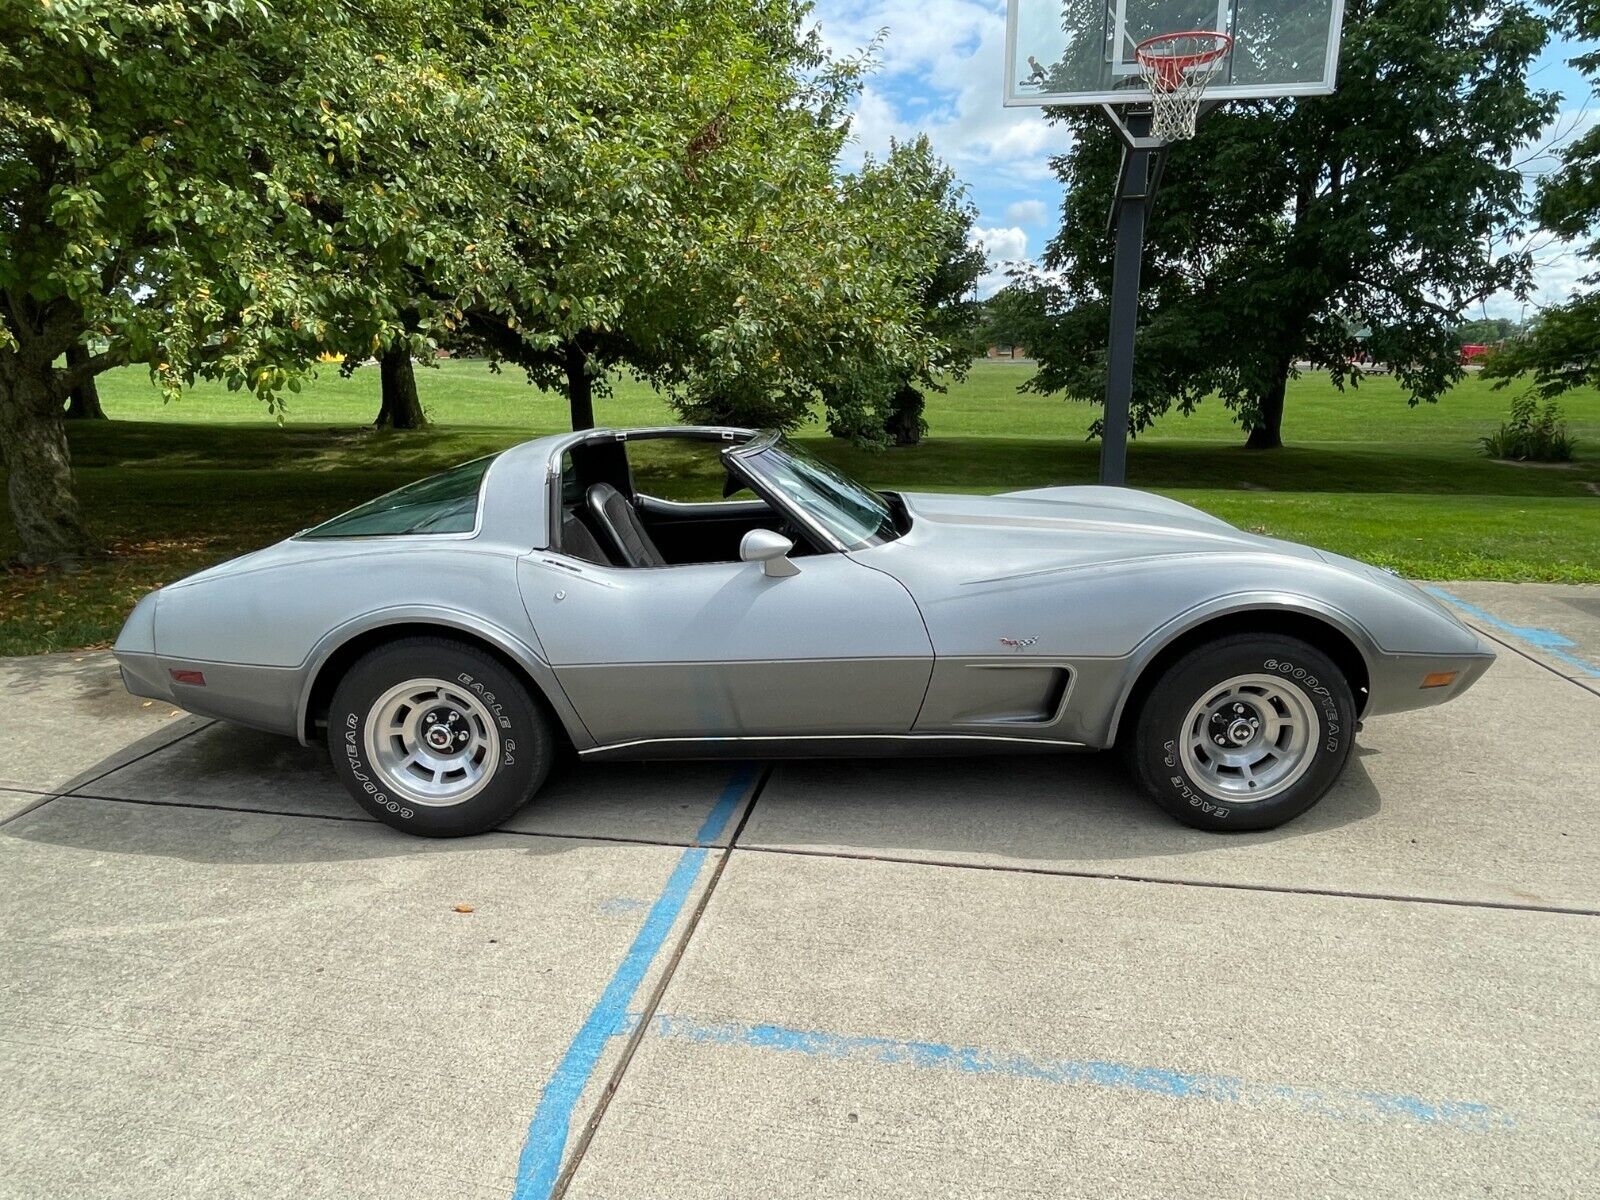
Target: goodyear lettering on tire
{"points": [[352, 754], [1329, 706]]}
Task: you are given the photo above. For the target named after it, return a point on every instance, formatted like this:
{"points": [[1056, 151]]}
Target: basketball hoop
{"points": [[1177, 67]]}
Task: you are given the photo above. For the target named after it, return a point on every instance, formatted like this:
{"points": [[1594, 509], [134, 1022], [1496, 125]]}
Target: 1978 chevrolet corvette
{"points": [[448, 638]]}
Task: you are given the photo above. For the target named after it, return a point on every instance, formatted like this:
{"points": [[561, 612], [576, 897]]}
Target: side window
{"points": [[677, 469]]}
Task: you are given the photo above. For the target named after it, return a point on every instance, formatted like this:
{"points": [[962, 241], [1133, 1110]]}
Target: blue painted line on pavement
{"points": [[539, 1164], [717, 819], [1351, 1104], [1552, 643]]}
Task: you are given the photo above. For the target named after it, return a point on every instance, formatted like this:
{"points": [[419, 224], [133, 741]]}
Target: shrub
{"points": [[1534, 433]]}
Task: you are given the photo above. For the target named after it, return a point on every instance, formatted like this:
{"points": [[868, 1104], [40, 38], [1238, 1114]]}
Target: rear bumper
{"points": [[260, 697], [143, 675]]}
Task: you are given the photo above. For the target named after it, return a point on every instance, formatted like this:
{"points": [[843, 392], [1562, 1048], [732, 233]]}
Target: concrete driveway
{"points": [[964, 978]]}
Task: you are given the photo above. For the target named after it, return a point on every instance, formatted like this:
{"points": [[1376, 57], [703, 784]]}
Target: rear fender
{"points": [[412, 618]]}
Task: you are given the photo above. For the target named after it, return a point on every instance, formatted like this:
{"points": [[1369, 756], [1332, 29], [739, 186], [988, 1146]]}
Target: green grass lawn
{"points": [[173, 487]]}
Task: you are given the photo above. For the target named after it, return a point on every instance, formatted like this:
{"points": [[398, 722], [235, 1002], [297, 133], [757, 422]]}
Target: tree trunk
{"points": [[1267, 431], [33, 443], [905, 423], [580, 388], [400, 409], [83, 404]]}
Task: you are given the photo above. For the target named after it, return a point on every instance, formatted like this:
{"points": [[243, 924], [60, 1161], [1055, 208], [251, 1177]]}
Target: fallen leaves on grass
{"points": [[125, 549]]}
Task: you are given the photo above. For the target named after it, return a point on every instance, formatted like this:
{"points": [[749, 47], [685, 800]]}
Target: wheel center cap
{"points": [[439, 737], [1239, 731]]}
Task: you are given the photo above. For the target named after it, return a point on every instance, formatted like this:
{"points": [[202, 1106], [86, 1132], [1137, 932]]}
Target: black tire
{"points": [[1161, 726], [509, 736]]}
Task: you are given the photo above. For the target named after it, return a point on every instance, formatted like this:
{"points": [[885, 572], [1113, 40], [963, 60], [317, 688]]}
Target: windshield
{"points": [[853, 513], [443, 503]]}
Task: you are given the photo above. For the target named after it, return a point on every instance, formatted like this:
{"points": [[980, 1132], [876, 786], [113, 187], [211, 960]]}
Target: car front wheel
{"points": [[437, 739], [1246, 732]]}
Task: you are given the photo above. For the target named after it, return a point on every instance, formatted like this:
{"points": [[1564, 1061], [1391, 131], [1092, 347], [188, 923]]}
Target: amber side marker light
{"points": [[1439, 678], [198, 678]]}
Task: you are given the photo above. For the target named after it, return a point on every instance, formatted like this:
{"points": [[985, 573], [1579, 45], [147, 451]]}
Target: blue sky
{"points": [[940, 73]]}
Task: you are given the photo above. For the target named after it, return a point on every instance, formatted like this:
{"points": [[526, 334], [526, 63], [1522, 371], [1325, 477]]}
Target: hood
{"points": [[1052, 529]]}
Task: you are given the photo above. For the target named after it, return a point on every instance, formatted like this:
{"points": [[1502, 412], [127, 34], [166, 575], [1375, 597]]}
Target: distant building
{"points": [[1471, 352], [1007, 352]]}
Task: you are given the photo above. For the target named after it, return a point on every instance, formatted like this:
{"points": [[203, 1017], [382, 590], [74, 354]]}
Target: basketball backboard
{"points": [[1081, 51]]}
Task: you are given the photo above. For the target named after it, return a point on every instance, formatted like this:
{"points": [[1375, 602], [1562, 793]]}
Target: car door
{"points": [[725, 650]]}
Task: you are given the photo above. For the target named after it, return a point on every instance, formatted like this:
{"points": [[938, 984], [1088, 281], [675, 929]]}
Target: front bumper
{"points": [[1397, 679]]}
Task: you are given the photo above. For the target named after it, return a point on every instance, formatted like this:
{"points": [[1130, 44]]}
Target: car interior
{"points": [[608, 517]]}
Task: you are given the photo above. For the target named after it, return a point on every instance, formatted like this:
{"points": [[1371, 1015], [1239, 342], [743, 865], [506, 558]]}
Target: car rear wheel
{"points": [[438, 739], [1246, 732]]}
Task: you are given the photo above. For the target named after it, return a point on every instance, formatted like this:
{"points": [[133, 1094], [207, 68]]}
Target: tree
{"points": [[1286, 227], [224, 189], [852, 297], [687, 223], [932, 246], [210, 187], [1484, 331], [1560, 350], [1012, 315], [1561, 347]]}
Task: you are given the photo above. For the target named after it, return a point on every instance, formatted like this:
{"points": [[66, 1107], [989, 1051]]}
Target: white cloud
{"points": [[921, 34], [1007, 243], [950, 53], [876, 121], [940, 73], [1003, 246], [1026, 212]]}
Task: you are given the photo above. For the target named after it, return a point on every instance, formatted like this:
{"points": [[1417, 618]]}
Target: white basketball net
{"points": [[1177, 67]]}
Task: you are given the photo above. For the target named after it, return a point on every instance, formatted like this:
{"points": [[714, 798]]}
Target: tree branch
{"points": [[75, 376]]}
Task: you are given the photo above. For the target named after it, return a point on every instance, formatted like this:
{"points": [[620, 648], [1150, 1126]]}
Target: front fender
{"points": [[1274, 602]]}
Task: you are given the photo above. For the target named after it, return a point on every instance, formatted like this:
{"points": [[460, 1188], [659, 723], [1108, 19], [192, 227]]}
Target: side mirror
{"points": [[769, 549]]}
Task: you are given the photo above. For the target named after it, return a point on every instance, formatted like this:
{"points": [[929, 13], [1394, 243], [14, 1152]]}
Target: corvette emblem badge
{"points": [[1018, 644]]}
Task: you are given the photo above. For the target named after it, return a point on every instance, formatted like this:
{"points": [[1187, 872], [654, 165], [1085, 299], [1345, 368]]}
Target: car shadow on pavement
{"points": [[1056, 810]]}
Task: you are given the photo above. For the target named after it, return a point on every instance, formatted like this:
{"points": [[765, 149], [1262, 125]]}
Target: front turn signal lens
{"points": [[1435, 679]]}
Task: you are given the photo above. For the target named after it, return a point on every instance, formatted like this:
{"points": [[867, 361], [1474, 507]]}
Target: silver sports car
{"points": [[448, 640]]}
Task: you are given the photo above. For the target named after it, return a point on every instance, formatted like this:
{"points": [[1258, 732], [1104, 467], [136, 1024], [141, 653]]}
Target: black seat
{"points": [[578, 541], [621, 524]]}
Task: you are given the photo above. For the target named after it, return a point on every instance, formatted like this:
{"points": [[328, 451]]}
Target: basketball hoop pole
{"points": [[1142, 160]]}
